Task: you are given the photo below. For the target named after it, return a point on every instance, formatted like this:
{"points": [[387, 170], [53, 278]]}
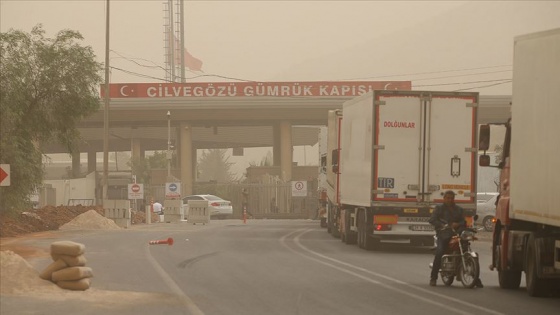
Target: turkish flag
{"points": [[189, 61]]}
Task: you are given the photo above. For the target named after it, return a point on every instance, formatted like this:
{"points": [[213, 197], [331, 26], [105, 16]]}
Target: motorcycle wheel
{"points": [[447, 279], [470, 272]]}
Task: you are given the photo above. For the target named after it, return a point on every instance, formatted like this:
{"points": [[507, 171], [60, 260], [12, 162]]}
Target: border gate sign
{"points": [[299, 189], [135, 191]]}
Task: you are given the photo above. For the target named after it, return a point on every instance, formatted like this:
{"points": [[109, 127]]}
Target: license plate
{"points": [[421, 227]]}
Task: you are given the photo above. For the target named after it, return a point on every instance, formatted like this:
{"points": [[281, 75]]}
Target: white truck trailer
{"points": [[399, 151], [527, 229]]}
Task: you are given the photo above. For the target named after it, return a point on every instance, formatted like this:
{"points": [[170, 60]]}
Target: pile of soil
{"points": [[49, 218]]}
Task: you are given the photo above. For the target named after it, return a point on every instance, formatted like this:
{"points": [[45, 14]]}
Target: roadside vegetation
{"points": [[47, 86]]}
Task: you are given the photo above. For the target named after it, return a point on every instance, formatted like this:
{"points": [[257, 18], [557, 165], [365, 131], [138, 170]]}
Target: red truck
{"points": [[527, 229]]}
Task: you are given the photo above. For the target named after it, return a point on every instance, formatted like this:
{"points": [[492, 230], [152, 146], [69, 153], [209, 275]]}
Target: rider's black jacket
{"points": [[443, 215]]}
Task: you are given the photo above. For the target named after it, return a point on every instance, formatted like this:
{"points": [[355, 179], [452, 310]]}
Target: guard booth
{"points": [[198, 212]]}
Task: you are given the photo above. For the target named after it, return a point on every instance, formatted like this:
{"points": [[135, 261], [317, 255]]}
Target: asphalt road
{"points": [[261, 267]]}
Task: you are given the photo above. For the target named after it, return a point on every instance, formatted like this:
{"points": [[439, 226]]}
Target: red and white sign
{"points": [[4, 174], [135, 191], [299, 189], [251, 89]]}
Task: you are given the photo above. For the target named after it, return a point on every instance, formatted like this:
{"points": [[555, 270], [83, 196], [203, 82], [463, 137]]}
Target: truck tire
{"points": [[361, 229], [508, 279], [535, 286], [364, 241], [350, 237], [332, 226]]}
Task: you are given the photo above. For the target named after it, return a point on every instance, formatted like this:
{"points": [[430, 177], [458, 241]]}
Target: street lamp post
{"points": [[168, 145]]}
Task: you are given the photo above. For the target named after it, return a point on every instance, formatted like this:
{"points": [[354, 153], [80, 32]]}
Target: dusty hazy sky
{"points": [[431, 43], [438, 45]]}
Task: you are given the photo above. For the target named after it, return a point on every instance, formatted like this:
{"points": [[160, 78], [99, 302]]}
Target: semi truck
{"points": [[394, 154], [526, 234], [322, 177], [332, 204]]}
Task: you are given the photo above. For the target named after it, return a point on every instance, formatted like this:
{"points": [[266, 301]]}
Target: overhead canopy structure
{"points": [[227, 122]]}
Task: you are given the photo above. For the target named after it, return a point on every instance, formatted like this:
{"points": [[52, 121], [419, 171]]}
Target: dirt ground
{"points": [[37, 223]]}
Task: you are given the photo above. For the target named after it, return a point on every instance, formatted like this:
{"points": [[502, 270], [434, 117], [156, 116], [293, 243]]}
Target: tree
{"points": [[141, 167], [215, 165], [47, 85], [265, 161]]}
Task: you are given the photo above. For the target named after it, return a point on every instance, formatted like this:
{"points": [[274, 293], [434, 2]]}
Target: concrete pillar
{"points": [[195, 160], [91, 161], [135, 149], [286, 157], [76, 164], [276, 144], [186, 156]]}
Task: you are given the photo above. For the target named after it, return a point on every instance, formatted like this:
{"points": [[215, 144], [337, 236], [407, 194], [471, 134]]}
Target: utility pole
{"points": [[168, 146], [182, 32], [106, 112]]}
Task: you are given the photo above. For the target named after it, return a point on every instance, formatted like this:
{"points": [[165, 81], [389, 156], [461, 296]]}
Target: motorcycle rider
{"points": [[452, 215]]}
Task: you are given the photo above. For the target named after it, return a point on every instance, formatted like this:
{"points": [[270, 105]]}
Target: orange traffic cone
{"points": [[168, 241], [244, 216]]}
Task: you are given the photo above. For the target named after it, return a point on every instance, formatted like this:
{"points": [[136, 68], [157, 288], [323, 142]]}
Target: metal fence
{"points": [[268, 199]]}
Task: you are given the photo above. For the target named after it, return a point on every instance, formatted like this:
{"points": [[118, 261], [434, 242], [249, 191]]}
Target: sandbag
{"points": [[72, 273], [71, 261], [67, 248], [82, 284], [54, 266]]}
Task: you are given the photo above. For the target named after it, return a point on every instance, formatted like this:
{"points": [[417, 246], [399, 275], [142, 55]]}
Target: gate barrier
{"points": [[198, 212], [172, 211], [118, 211]]}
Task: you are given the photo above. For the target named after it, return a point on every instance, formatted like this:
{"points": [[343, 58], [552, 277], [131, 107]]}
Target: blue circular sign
{"points": [[173, 187]]}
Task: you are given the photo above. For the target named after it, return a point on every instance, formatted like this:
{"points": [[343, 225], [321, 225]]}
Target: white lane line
{"points": [[186, 301], [347, 265]]}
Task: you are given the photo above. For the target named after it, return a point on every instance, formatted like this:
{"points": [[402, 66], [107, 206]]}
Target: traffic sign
{"points": [[4, 174], [135, 191], [299, 189], [172, 190]]}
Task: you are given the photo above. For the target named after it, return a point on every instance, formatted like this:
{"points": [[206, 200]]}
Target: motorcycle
{"points": [[459, 260]]}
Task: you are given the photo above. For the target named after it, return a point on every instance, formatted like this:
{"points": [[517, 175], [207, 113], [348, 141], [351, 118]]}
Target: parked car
{"points": [[486, 209], [217, 207]]}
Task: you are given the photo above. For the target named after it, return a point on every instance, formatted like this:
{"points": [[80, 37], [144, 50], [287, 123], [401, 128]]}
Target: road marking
{"points": [[368, 279], [187, 302]]}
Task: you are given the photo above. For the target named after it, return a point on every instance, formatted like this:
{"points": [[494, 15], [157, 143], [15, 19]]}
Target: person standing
{"points": [[245, 202], [158, 208]]}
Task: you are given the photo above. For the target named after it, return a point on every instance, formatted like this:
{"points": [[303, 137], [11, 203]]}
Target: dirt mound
{"points": [[90, 220], [49, 218], [18, 276]]}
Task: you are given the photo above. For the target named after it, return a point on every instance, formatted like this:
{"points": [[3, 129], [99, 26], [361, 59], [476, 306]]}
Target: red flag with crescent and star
{"points": [[189, 60]]}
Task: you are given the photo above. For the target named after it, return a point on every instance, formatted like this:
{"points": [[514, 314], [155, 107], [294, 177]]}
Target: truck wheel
{"points": [[361, 230], [364, 240], [535, 285], [332, 226], [508, 279], [349, 236]]}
